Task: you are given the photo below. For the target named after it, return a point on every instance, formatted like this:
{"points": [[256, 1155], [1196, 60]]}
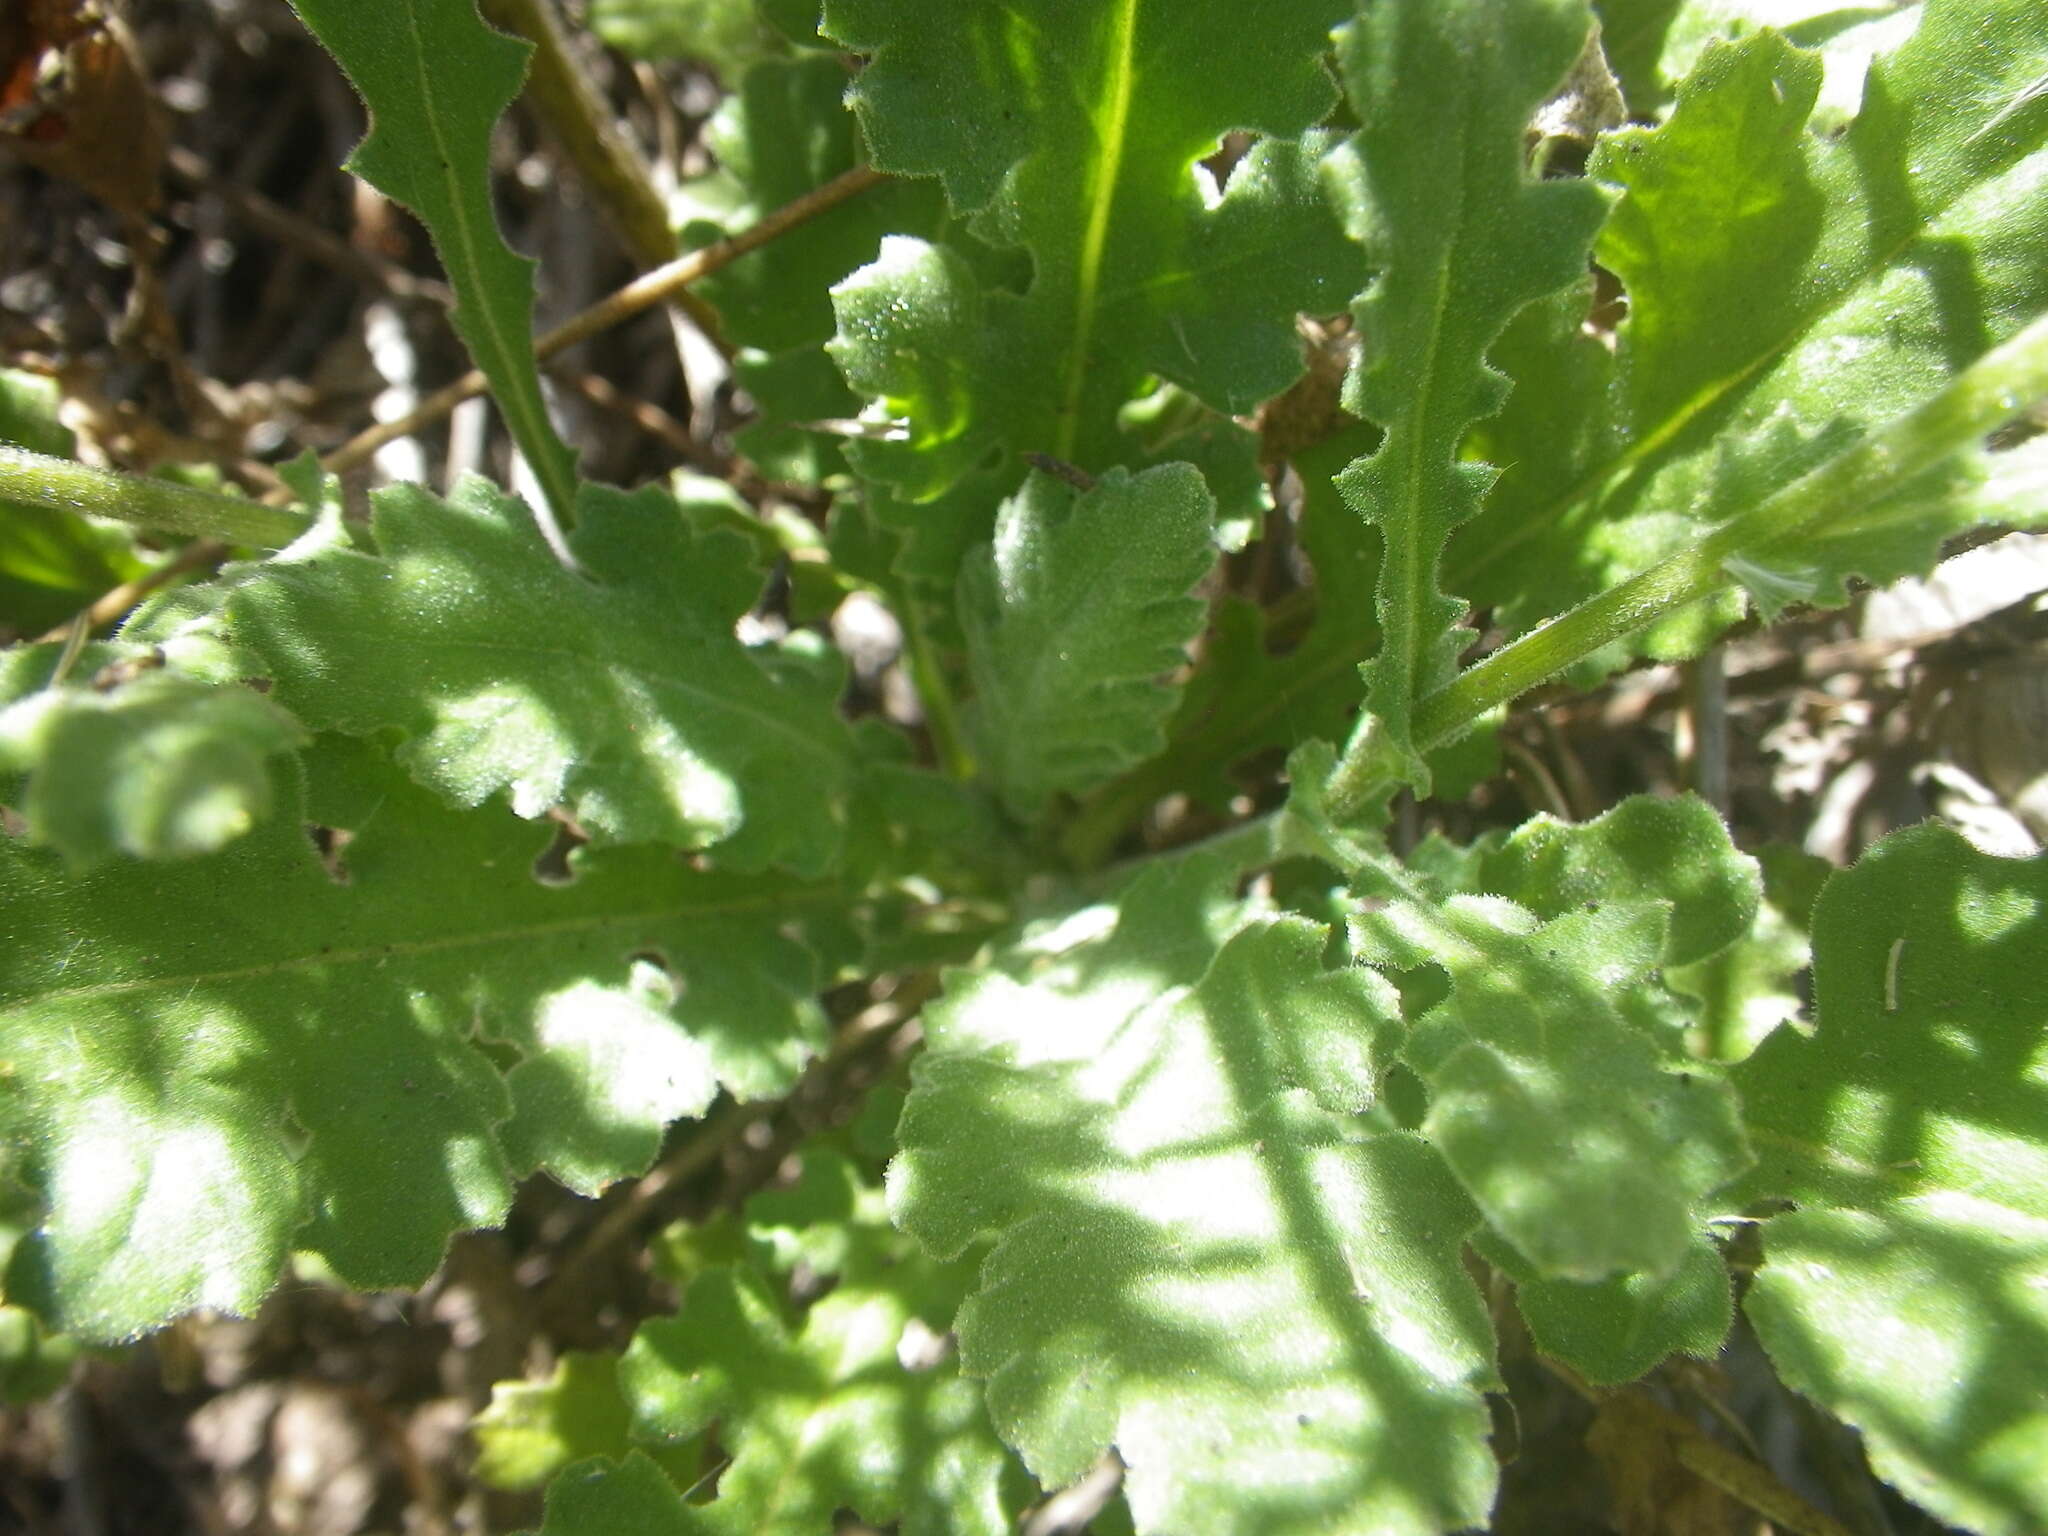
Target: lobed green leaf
{"points": [[1789, 293], [1559, 1091], [1076, 143], [532, 1430], [854, 1403], [162, 766], [781, 133], [616, 690], [1204, 1256], [1463, 237], [200, 1083], [1073, 617], [825, 1415], [1904, 1291], [1617, 1330], [429, 148]]}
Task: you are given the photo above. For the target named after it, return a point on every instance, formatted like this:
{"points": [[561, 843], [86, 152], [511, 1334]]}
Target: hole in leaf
{"points": [[552, 867], [921, 1348], [331, 843]]}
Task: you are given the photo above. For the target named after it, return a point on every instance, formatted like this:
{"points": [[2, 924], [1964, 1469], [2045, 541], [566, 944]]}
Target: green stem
{"points": [[60, 485], [941, 714], [1983, 397]]}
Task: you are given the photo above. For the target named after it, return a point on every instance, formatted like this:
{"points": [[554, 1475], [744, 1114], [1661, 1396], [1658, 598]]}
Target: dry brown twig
{"points": [[890, 1020], [641, 294]]}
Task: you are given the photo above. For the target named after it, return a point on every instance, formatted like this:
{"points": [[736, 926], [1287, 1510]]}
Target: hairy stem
{"points": [[60, 485]]}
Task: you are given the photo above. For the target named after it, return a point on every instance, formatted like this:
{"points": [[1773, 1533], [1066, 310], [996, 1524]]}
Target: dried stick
{"points": [[656, 287], [289, 228], [884, 1019], [642, 293], [109, 606], [1748, 1481]]}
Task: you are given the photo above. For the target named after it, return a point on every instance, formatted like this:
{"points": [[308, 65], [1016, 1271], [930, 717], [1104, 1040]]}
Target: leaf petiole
{"points": [[63, 485]]}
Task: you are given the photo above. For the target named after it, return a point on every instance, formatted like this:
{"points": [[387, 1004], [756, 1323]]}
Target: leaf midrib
{"points": [[377, 954], [1112, 129], [1562, 510]]}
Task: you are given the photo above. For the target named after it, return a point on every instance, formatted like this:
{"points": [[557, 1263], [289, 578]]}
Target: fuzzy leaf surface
{"points": [[824, 1415], [202, 1084], [1616, 1330], [1557, 1093], [728, 35], [163, 766], [1906, 1292], [533, 1429], [1073, 136], [1251, 694], [429, 148], [617, 691], [1789, 292], [1750, 988], [631, 1498], [852, 1403], [781, 133], [1204, 1257], [1074, 615], [1464, 237], [1644, 849]]}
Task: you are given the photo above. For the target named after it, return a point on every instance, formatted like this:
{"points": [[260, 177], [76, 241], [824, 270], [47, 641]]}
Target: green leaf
{"points": [[161, 766], [617, 691], [436, 80], [1751, 988], [1645, 849], [825, 1415], [1613, 1331], [1204, 1256], [832, 1220], [1077, 143], [1464, 237], [1632, 34], [1074, 615], [781, 134], [202, 1082], [533, 1429], [1790, 292], [52, 563], [633, 1498], [1829, 25], [34, 1363], [728, 35], [1253, 692], [1566, 1109], [1904, 1293], [855, 1404], [28, 414]]}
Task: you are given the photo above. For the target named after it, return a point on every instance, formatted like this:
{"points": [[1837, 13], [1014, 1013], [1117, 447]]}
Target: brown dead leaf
{"points": [[75, 102]]}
